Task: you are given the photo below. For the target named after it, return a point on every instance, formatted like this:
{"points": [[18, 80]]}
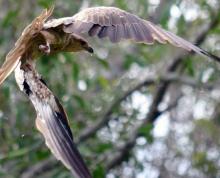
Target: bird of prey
{"points": [[51, 120], [64, 34], [45, 37]]}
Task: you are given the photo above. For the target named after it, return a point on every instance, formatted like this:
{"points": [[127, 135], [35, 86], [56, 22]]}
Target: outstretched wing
{"points": [[51, 120], [117, 24], [58, 138]]}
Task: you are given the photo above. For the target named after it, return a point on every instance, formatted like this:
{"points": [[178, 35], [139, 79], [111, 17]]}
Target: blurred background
{"points": [[135, 110]]}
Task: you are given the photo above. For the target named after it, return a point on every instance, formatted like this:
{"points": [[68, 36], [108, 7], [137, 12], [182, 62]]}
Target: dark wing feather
{"points": [[51, 120], [58, 137], [95, 30], [117, 24]]}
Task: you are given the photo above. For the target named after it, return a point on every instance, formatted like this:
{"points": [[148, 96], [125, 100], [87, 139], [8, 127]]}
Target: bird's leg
{"points": [[50, 38], [45, 48]]}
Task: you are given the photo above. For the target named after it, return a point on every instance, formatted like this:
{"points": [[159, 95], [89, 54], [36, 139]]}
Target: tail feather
{"points": [[7, 68]]}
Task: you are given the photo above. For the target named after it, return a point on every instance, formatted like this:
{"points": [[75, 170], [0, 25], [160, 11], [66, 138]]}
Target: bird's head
{"points": [[79, 43], [85, 46]]}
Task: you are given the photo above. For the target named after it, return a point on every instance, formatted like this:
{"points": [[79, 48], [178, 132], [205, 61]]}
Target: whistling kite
{"points": [[57, 35]]}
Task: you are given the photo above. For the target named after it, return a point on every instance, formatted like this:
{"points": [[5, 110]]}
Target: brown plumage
{"points": [[63, 34]]}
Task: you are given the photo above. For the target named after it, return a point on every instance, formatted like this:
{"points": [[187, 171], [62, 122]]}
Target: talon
{"points": [[45, 48]]}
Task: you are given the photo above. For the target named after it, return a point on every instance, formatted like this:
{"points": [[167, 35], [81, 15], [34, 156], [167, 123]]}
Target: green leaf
{"points": [[75, 71], [103, 62], [17, 153], [103, 147], [103, 82], [99, 172], [201, 162], [131, 59], [42, 154], [80, 101], [188, 63], [45, 4], [146, 132], [165, 15], [11, 16], [181, 25]]}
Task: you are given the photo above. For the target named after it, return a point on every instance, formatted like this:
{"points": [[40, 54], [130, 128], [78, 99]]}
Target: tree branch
{"points": [[161, 90], [169, 77]]}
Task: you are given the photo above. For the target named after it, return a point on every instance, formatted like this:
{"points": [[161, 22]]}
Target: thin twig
{"points": [[151, 117], [169, 77]]}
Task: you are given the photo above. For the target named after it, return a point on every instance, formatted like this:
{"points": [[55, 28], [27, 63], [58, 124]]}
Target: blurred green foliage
{"points": [[88, 85]]}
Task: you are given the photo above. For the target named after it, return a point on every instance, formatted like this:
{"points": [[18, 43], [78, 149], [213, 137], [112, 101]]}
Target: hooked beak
{"points": [[89, 49]]}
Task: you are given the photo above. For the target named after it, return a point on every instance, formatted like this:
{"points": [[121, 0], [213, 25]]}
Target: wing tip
{"points": [[212, 56], [3, 76]]}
